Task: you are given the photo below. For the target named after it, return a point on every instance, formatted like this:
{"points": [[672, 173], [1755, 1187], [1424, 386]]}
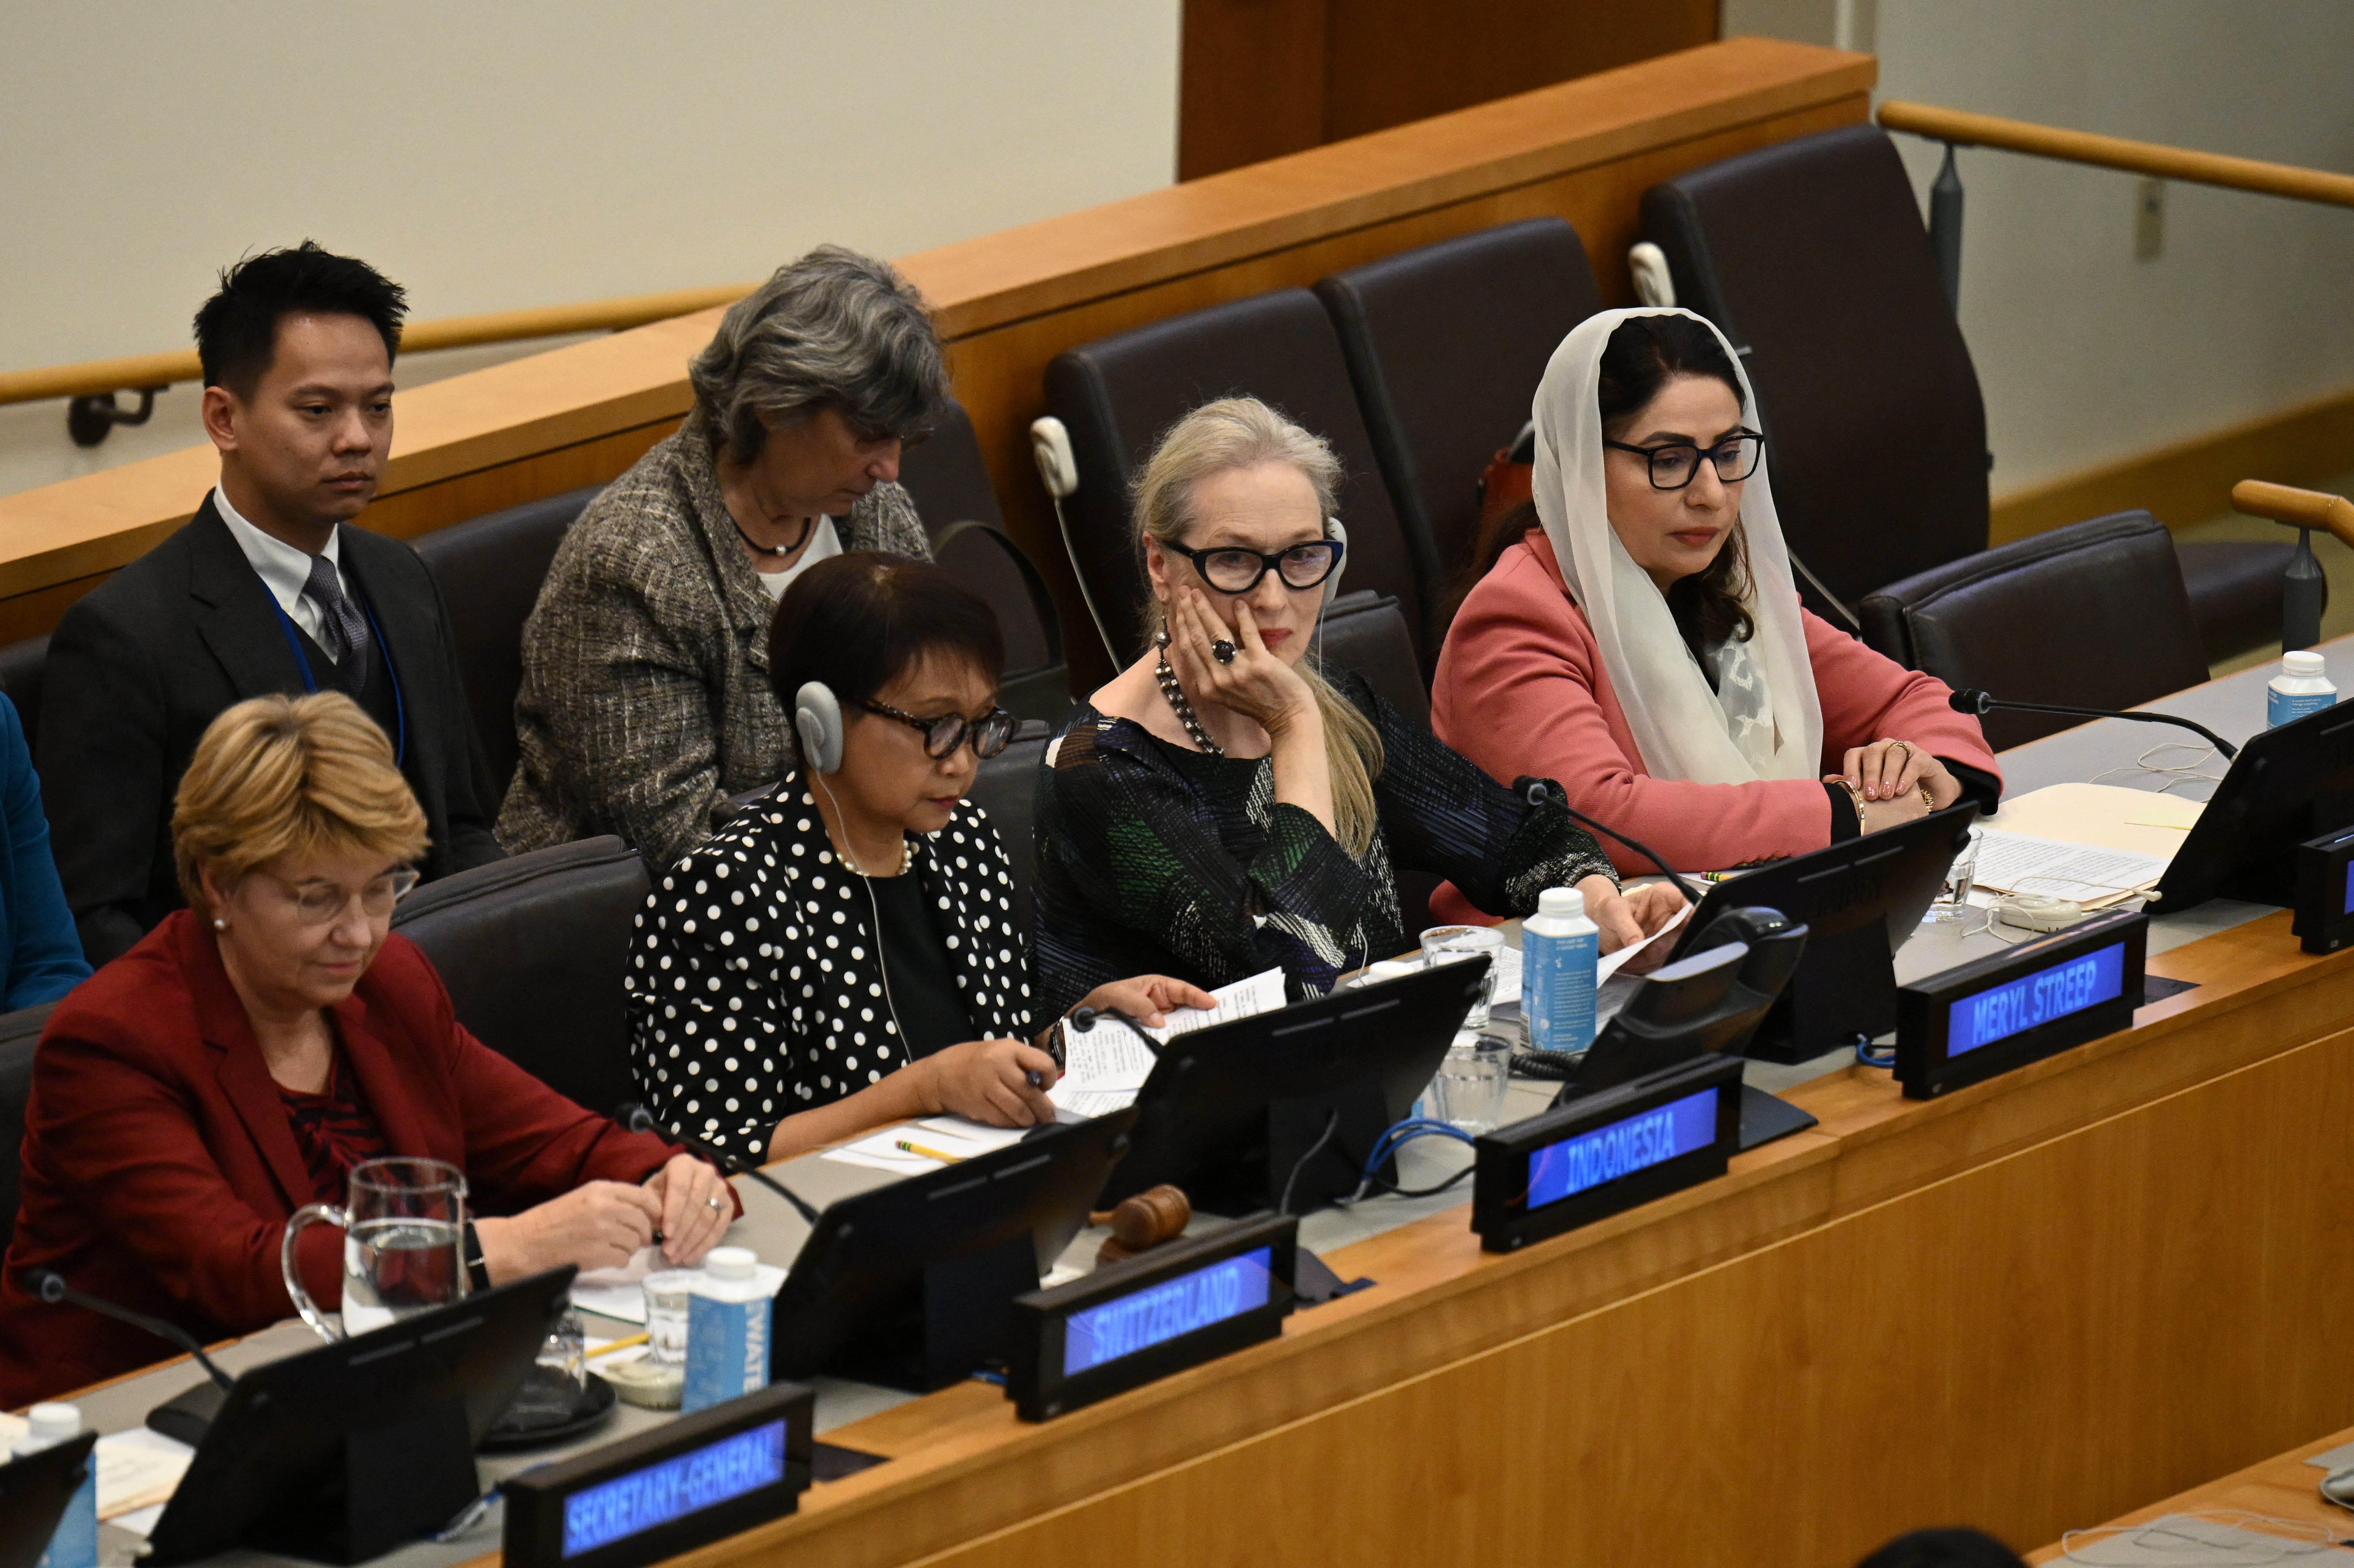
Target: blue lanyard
{"points": [[311, 679]]}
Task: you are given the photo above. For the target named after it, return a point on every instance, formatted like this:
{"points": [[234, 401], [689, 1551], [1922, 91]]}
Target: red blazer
{"points": [[1521, 690], [160, 1169]]}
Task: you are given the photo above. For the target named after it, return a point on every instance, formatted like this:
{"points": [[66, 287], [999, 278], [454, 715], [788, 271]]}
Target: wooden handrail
{"points": [[2297, 508], [99, 375], [1965, 129]]}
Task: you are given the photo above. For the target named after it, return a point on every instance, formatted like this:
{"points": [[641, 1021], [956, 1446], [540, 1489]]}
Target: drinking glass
{"points": [[550, 1395], [1453, 944], [1953, 900], [666, 1315], [403, 1225], [1473, 1078]]}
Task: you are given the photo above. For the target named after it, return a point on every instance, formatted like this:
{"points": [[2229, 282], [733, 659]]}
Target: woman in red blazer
{"points": [[1639, 637], [236, 1064]]}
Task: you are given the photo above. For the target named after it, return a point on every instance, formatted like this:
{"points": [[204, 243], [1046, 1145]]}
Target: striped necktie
{"points": [[341, 630]]}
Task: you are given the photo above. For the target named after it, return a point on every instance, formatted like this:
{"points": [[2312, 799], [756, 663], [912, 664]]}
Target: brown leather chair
{"points": [[489, 570], [1007, 789], [1119, 394], [534, 949], [1810, 255], [1367, 632], [2093, 615], [1446, 345], [21, 664], [19, 1033]]}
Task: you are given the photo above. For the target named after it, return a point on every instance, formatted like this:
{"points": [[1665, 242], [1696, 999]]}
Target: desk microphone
{"points": [[1083, 1019], [1971, 701], [1544, 791], [635, 1118], [47, 1285]]}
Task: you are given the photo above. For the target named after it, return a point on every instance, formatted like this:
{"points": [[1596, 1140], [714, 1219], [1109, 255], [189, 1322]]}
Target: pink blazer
{"points": [[1521, 690]]}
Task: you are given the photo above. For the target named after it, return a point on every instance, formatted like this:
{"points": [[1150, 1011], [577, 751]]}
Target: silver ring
{"points": [[1223, 652], [717, 1207]]}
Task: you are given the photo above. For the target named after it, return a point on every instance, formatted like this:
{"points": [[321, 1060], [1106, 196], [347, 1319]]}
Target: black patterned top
{"points": [[755, 982], [1156, 859], [336, 1130]]}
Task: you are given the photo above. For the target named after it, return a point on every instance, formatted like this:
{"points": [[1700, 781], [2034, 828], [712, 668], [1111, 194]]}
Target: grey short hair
{"points": [[834, 329]]}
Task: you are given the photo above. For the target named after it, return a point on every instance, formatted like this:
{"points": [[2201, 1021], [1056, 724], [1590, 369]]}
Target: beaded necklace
{"points": [[1174, 696]]}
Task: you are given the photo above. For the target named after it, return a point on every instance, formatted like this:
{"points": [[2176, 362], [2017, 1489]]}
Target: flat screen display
{"points": [[2069, 985], [1156, 1314], [1649, 1138], [674, 1488]]}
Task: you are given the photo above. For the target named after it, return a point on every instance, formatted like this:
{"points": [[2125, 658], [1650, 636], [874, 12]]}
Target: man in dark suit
{"points": [[267, 590]]}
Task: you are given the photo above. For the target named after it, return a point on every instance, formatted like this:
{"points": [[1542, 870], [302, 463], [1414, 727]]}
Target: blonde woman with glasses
{"points": [[1224, 805], [251, 1050]]}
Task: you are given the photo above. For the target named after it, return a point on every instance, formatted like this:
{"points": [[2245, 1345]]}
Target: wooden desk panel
{"points": [[2039, 1301]]}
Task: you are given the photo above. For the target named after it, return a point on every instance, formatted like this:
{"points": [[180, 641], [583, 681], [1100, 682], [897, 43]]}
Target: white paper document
{"points": [[2087, 874], [951, 1135], [1610, 963], [138, 1469], [1244, 999], [1104, 1068], [621, 1292]]}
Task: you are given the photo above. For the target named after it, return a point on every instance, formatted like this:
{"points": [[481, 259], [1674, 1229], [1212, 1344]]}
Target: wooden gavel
{"points": [[1142, 1221]]}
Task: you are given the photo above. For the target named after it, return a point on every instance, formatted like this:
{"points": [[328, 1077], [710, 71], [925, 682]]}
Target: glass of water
{"points": [[1953, 900], [551, 1395], [1468, 1093], [666, 1315], [1454, 944], [403, 1225]]}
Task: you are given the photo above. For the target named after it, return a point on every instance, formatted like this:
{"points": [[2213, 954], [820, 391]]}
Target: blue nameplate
{"points": [[649, 1498], [1128, 1323], [1985, 1018], [1606, 1152], [2324, 917]]}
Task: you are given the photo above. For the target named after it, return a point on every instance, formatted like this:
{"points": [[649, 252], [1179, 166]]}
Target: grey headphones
{"points": [[817, 720]]}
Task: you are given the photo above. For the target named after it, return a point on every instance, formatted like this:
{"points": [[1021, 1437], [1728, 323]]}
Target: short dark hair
{"points": [[236, 329], [859, 621], [1950, 1548]]}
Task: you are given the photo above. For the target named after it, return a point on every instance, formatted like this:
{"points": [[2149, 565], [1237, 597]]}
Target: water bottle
{"points": [[1559, 949], [2300, 688], [728, 1317], [75, 1543]]}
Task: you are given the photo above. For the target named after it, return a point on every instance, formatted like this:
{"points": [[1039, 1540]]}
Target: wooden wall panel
{"points": [[1250, 82]]}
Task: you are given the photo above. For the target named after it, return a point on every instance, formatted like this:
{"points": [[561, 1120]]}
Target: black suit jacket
{"points": [[139, 667]]}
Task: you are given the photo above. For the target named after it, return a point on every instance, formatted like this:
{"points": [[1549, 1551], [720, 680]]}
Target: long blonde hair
{"points": [[1243, 432]]}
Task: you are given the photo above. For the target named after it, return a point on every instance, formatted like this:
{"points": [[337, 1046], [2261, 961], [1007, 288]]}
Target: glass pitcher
{"points": [[404, 1224]]}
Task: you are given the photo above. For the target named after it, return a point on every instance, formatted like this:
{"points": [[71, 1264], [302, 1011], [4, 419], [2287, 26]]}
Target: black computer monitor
{"points": [[1231, 1112], [910, 1285], [34, 1491], [342, 1452], [2288, 785], [1712, 1001], [1859, 900]]}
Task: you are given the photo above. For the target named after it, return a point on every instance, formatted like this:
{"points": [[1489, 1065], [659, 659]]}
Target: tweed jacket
{"points": [[646, 698], [756, 979]]}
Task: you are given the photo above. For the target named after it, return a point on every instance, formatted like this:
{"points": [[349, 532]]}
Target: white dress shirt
{"points": [[283, 570], [823, 542]]}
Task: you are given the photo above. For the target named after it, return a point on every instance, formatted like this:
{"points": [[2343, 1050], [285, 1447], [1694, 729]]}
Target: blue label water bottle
{"points": [[727, 1316], [1559, 949], [2302, 687], [75, 1542]]}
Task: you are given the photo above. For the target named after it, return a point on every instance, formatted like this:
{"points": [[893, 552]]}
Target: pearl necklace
{"points": [[1174, 696], [906, 860]]}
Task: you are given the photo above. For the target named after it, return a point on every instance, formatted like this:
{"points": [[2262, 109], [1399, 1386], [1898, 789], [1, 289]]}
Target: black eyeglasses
{"points": [[1230, 569], [1677, 463], [990, 733]]}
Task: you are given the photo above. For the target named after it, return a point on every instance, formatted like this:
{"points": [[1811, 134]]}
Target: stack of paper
{"points": [[1104, 1068], [2084, 874]]}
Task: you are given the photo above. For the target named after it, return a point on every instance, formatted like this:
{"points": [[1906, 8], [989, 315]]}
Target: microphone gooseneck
{"points": [[635, 1118], [49, 1286], [1978, 703], [1541, 792], [1083, 1019]]}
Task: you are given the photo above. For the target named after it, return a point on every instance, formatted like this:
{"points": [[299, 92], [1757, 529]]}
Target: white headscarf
{"points": [[1764, 720]]}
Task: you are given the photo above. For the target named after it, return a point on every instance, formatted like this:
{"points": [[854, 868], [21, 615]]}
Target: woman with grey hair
{"points": [[645, 699]]}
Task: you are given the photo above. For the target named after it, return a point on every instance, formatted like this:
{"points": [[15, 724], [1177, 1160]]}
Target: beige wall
{"points": [[2086, 354], [528, 152]]}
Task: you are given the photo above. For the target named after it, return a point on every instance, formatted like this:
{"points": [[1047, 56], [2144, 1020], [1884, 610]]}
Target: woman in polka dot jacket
{"points": [[843, 954]]}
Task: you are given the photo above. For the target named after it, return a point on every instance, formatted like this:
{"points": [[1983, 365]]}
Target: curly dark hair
{"points": [[1642, 357]]}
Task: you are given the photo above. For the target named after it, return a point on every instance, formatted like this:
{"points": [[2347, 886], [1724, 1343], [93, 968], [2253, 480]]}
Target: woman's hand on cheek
{"points": [[989, 1080], [1255, 685]]}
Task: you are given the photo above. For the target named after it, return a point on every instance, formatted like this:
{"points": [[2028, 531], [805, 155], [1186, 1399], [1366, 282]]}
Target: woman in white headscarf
{"points": [[1636, 634]]}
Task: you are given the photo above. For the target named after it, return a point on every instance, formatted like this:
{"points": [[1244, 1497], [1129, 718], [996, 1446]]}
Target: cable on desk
{"points": [[1392, 1140], [1332, 1126]]}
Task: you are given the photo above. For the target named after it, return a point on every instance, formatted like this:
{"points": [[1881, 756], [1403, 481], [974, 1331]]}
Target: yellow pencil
{"points": [[927, 1153], [621, 1344]]}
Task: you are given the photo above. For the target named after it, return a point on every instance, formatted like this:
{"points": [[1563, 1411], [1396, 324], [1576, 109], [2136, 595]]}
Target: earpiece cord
{"points": [[906, 1052], [1086, 597]]}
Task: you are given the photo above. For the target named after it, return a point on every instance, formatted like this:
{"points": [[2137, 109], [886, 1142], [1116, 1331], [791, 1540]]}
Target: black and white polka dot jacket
{"points": [[754, 985]]}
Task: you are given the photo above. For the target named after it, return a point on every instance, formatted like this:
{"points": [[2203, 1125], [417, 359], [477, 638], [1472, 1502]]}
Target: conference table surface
{"points": [[1418, 1251], [2281, 1492]]}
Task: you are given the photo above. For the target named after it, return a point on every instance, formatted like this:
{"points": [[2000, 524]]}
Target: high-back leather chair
{"points": [[946, 476], [1810, 255], [533, 950], [1007, 789], [489, 570], [2093, 615], [21, 666], [19, 1033], [1446, 345], [1367, 632], [1117, 395]]}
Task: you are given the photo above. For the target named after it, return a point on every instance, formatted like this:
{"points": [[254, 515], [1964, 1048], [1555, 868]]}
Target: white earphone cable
{"points": [[882, 967]]}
